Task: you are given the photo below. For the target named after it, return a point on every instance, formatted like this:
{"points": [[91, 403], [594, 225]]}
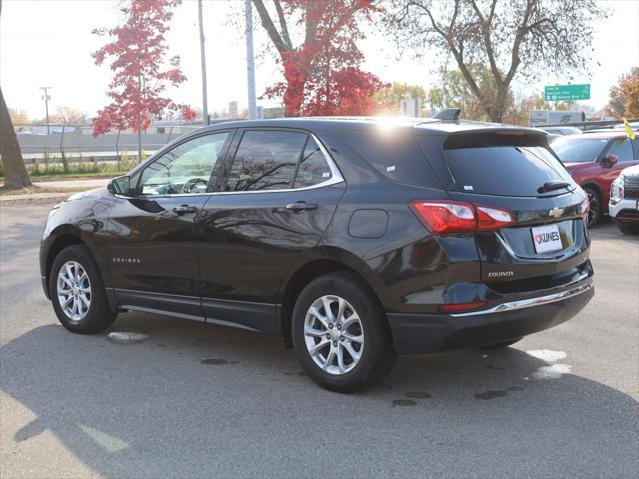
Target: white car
{"points": [[624, 200], [562, 130]]}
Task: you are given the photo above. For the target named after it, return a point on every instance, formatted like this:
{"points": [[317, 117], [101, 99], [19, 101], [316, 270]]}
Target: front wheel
{"points": [[77, 292], [341, 335], [594, 213]]}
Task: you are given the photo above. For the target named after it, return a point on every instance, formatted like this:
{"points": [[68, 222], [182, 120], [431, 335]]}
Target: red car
{"points": [[594, 161]]}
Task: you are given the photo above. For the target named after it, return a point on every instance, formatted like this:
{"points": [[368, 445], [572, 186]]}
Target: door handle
{"points": [[300, 206], [184, 209]]}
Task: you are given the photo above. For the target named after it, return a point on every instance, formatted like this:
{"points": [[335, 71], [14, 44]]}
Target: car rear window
{"points": [[394, 154], [578, 150], [505, 170]]}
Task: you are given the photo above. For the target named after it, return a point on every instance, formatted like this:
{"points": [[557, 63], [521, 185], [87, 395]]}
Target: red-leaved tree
{"points": [[141, 73], [322, 74]]}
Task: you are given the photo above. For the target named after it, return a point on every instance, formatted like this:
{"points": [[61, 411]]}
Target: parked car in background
{"points": [[562, 130], [633, 124], [624, 200], [595, 160], [355, 239]]}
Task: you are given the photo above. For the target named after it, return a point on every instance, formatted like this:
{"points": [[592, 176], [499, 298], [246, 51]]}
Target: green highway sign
{"points": [[567, 92]]}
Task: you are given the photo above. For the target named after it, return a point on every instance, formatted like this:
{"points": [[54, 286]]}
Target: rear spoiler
{"points": [[486, 137]]}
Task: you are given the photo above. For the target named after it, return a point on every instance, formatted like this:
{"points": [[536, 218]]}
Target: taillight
{"points": [[447, 217], [492, 218]]}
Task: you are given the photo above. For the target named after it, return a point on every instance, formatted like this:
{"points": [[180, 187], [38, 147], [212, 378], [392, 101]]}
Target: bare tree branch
{"points": [[270, 28], [508, 38], [283, 25]]}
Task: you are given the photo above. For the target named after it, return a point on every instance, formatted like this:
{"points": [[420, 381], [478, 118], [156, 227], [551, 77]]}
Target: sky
{"points": [[49, 43]]}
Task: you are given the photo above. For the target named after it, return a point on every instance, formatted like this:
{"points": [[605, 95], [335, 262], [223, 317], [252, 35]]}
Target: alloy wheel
{"points": [[333, 334], [74, 290]]}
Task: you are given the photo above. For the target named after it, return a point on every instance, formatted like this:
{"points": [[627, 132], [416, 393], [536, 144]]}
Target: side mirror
{"points": [[120, 185], [610, 161]]}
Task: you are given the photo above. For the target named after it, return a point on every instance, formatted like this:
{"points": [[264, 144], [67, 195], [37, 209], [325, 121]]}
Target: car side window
{"points": [[622, 149], [313, 168], [266, 160], [186, 169]]}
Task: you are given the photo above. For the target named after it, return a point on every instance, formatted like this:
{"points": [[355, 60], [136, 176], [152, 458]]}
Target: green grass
{"points": [[55, 168], [54, 176]]}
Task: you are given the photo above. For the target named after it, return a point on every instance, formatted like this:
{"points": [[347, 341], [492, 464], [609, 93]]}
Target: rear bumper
{"points": [[429, 333]]}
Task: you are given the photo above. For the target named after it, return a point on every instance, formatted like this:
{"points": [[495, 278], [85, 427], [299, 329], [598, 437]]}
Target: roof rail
{"points": [[451, 114]]}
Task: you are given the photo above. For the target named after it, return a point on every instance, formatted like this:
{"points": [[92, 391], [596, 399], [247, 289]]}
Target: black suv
{"points": [[356, 239]]}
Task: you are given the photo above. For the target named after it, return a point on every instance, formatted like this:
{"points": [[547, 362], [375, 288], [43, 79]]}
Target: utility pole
{"points": [[205, 107], [250, 61], [139, 125], [46, 99]]}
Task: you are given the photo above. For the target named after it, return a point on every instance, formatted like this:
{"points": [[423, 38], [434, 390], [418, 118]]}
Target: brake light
{"points": [[449, 217], [511, 133]]}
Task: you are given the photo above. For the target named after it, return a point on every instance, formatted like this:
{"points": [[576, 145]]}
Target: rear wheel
{"points": [[595, 206], [77, 292], [341, 335], [504, 344], [628, 229]]}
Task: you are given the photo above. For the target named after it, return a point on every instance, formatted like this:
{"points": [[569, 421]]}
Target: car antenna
{"points": [[450, 114]]}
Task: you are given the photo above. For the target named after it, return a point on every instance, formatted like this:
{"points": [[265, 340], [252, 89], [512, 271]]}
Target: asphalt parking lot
{"points": [[196, 401]]}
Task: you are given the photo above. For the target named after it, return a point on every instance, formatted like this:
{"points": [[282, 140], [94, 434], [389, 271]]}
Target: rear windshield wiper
{"points": [[552, 185]]}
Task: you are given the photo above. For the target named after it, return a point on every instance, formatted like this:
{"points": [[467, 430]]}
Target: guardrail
{"points": [[76, 143]]}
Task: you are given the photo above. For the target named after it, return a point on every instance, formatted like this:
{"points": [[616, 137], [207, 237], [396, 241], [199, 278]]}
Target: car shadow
{"points": [[198, 400], [607, 229]]}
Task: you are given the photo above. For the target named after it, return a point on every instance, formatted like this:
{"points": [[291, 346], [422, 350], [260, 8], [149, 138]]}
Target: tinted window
{"points": [[578, 150], [313, 168], [622, 149], [186, 169], [504, 170], [265, 160], [393, 154]]}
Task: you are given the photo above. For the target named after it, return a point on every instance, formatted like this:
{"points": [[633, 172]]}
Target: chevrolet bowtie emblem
{"points": [[556, 212]]}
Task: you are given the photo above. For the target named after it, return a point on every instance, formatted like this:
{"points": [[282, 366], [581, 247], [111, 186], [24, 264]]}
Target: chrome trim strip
{"points": [[187, 316], [162, 312], [529, 303], [336, 178], [221, 322], [152, 293]]}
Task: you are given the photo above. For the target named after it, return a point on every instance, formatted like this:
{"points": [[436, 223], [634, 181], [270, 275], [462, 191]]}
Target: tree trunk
{"points": [[15, 171]]}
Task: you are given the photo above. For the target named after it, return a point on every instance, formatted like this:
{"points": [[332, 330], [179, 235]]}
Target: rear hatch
{"points": [[545, 245]]}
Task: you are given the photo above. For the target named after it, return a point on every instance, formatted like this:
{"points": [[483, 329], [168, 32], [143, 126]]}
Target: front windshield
{"points": [[579, 150]]}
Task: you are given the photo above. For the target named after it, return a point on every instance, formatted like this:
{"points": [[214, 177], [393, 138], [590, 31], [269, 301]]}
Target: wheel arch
{"points": [[331, 260], [61, 239], [603, 204], [595, 186]]}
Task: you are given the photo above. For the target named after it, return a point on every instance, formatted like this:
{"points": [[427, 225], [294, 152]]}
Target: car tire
{"points": [[355, 334], [594, 213], [503, 344], [77, 292], [628, 229]]}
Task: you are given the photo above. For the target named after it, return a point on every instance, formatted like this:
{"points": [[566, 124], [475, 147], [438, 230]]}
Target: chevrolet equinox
{"points": [[357, 239]]}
